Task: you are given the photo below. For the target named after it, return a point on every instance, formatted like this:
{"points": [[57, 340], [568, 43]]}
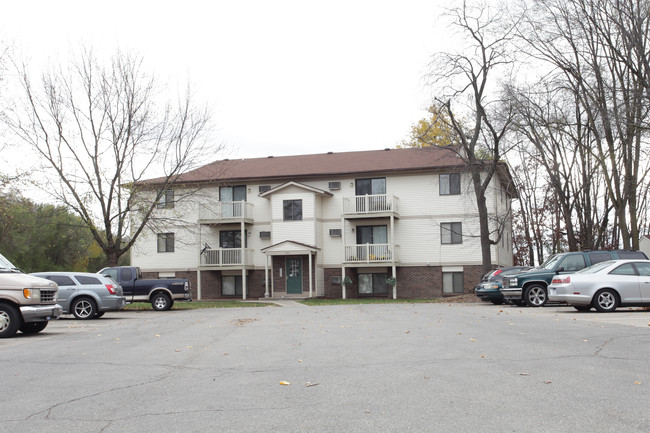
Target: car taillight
{"points": [[561, 280], [111, 289]]}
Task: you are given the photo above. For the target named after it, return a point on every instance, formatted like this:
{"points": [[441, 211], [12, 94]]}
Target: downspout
{"points": [[266, 276], [198, 270], [310, 277], [392, 243], [243, 242]]}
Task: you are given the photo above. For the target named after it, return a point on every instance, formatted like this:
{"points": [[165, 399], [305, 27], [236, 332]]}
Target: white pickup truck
{"points": [[26, 303]]}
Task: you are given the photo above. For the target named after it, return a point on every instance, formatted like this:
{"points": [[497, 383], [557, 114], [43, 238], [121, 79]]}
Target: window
{"points": [[111, 273], [166, 242], [371, 186], [264, 188], [232, 239], [231, 285], [166, 199], [61, 280], [597, 257], [452, 283], [127, 275], [450, 184], [451, 233], [372, 235], [232, 193], [631, 255], [373, 284], [643, 268], [626, 269], [85, 280], [572, 262], [292, 210]]}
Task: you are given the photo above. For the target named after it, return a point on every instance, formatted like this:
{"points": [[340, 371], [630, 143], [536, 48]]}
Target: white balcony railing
{"points": [[226, 210], [368, 204], [227, 257], [370, 253]]}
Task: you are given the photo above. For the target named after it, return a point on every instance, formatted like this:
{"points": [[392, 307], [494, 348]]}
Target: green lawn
{"points": [[197, 305]]}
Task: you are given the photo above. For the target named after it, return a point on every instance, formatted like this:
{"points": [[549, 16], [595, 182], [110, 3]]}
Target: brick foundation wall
{"points": [[419, 282]]}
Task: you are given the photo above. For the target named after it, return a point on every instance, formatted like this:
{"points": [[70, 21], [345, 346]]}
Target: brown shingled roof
{"points": [[318, 165]]}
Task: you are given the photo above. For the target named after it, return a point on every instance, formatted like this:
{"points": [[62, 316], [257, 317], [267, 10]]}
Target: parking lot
{"points": [[356, 368]]}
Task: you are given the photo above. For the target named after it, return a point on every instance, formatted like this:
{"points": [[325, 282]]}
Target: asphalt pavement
{"points": [[356, 368]]}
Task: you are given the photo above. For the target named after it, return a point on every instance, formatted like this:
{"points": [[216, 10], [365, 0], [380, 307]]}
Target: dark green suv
{"points": [[531, 287]]}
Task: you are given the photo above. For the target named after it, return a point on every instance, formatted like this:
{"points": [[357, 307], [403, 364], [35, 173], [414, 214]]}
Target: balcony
{"points": [[368, 206], [227, 258], [370, 254], [226, 212]]}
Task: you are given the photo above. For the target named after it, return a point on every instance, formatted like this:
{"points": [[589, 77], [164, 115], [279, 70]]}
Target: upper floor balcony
{"points": [[370, 206], [226, 212], [370, 254], [227, 258]]}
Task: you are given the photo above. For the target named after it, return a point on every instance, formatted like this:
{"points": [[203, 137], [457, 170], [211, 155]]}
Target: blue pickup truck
{"points": [[160, 292]]}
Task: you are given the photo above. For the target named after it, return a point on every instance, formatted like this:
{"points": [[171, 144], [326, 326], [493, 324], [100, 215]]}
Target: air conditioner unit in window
{"points": [[336, 280], [265, 235], [335, 185], [335, 232]]}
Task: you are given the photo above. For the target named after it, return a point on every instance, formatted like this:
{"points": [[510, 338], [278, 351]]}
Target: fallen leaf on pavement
{"points": [[285, 383]]}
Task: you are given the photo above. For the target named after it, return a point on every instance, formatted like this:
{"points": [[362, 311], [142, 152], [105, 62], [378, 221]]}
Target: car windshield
{"points": [[595, 268], [6, 265], [551, 262]]}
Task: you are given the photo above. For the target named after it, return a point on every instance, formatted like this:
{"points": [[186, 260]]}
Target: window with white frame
{"points": [[373, 284], [292, 210], [166, 199], [165, 242], [452, 283], [231, 285], [450, 184], [451, 233]]}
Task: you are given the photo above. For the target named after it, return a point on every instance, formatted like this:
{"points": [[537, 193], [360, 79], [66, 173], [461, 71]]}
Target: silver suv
{"points": [[86, 295]]}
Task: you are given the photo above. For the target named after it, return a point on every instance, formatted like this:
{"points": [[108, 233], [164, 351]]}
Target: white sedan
{"points": [[604, 286]]}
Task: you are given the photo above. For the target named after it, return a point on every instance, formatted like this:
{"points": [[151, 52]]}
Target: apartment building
{"points": [[400, 223]]}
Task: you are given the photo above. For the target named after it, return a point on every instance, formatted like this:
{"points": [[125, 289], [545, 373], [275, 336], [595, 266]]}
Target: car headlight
{"points": [[32, 293]]}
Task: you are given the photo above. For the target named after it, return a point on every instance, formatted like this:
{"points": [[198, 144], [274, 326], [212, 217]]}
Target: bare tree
{"points": [[593, 55], [101, 129], [553, 121], [471, 103]]}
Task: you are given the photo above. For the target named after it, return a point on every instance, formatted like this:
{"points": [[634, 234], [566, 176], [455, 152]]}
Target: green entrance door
{"points": [[294, 275]]}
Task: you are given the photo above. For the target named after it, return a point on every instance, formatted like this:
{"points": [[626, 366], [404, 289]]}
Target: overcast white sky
{"points": [[284, 76]]}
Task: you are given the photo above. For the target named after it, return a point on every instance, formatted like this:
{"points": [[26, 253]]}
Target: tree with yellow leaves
{"points": [[433, 130]]}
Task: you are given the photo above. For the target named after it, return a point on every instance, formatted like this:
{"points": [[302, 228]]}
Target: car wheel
{"points": [[33, 327], [161, 302], [98, 315], [10, 320], [83, 308], [497, 301], [535, 295], [606, 301], [582, 307]]}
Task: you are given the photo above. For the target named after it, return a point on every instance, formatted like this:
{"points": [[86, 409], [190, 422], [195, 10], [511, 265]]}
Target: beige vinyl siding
{"points": [[299, 231]]}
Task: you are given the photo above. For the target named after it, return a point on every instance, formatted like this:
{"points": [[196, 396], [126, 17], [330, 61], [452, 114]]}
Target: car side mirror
{"points": [[558, 270]]}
